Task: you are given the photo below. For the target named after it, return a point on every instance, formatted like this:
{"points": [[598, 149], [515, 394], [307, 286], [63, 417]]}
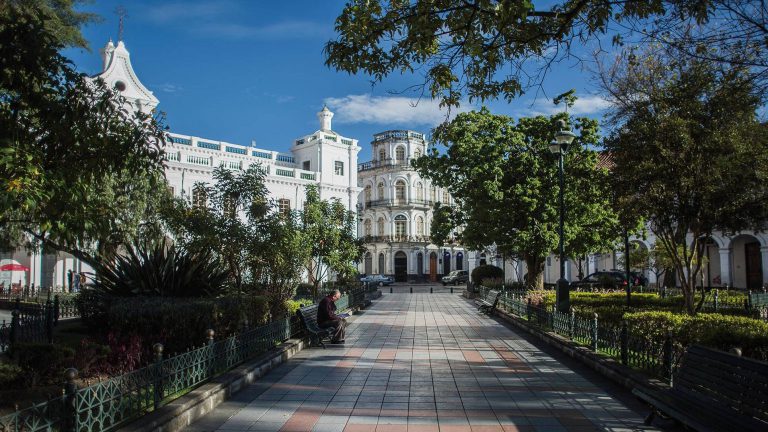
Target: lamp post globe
{"points": [[559, 146]]}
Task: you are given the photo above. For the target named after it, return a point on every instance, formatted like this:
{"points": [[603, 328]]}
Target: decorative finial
{"points": [[122, 13]]}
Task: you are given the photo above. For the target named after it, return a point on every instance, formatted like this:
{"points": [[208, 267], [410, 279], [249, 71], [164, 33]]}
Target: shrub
{"points": [[486, 272], [291, 306], [158, 269], [494, 283], [43, 363], [718, 331], [176, 323], [10, 375]]}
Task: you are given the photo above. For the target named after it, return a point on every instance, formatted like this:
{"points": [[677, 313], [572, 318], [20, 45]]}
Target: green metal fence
{"points": [[112, 403]]}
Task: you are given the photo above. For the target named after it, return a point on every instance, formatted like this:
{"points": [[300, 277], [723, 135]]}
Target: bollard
{"points": [[70, 406], [411, 290], [56, 309], [451, 290], [158, 393], [624, 339], [211, 357], [430, 290], [390, 290], [594, 333], [667, 360]]}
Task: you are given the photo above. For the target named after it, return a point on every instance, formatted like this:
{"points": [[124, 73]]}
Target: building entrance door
{"points": [[401, 267], [754, 265], [433, 267]]}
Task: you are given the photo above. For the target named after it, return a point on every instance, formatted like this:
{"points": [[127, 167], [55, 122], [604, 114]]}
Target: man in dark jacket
{"points": [[326, 316]]}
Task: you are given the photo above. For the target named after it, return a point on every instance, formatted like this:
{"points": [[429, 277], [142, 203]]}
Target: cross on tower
{"points": [[122, 13]]}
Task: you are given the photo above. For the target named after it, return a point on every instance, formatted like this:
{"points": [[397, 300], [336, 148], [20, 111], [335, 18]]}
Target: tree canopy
{"points": [[60, 18], [77, 171], [483, 49], [689, 153], [504, 181]]}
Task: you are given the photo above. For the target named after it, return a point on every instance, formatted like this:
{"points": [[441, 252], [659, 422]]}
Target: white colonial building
{"points": [[323, 158], [395, 213]]}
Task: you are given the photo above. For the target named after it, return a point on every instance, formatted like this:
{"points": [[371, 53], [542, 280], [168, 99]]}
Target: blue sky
{"points": [[254, 70]]}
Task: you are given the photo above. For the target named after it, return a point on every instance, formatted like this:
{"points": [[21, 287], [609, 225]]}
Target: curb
{"points": [[204, 399], [606, 366]]}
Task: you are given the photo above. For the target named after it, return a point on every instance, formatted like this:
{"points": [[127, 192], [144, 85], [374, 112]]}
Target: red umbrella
{"points": [[13, 267]]}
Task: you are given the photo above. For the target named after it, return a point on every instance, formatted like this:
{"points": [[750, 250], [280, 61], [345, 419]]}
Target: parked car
{"points": [[456, 277], [379, 280], [604, 279]]}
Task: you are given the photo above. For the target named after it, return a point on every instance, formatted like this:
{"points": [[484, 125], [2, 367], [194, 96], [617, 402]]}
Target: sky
{"points": [[242, 71]]}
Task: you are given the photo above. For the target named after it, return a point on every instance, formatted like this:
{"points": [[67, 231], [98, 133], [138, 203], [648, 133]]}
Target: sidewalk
{"points": [[427, 362]]}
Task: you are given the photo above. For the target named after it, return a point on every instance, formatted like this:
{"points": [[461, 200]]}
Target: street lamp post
{"points": [[559, 146]]}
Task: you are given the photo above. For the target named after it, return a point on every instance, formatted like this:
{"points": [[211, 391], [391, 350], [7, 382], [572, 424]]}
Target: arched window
{"points": [[401, 227], [367, 227], [432, 195], [199, 196], [419, 192], [400, 154], [382, 154], [367, 196], [417, 154], [380, 226], [419, 226], [380, 191], [400, 191]]}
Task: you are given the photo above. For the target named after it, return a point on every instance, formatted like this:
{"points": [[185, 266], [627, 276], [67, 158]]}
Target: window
{"points": [[367, 195], [284, 207], [171, 190], [382, 154], [419, 192], [367, 227], [380, 191], [401, 226], [339, 168], [417, 154], [419, 225], [199, 196], [400, 191], [380, 226], [446, 198], [432, 195], [400, 154], [305, 165]]}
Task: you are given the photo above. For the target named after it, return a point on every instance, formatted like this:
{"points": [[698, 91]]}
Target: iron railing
{"points": [[110, 404]]}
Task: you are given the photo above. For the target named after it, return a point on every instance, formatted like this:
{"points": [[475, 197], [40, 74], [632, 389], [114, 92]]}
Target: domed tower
{"points": [[395, 209]]}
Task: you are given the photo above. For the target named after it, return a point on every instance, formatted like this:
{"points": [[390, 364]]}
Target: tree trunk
{"points": [[534, 279]]}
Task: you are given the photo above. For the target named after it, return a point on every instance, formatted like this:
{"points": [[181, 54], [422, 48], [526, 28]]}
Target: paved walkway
{"points": [[426, 362]]}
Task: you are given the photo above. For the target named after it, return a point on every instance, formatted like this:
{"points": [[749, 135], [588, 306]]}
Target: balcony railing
{"points": [[398, 203], [398, 239], [401, 164]]}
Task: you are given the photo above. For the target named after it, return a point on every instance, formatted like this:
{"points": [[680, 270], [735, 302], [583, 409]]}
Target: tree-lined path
{"points": [[427, 362]]}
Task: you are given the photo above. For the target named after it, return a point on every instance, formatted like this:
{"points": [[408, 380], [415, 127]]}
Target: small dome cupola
{"points": [[325, 117]]}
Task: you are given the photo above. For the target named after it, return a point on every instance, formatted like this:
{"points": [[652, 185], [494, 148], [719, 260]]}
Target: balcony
{"points": [[398, 239], [415, 203], [394, 164]]}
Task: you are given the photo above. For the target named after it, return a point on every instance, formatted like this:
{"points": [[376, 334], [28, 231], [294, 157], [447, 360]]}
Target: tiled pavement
{"points": [[427, 362]]}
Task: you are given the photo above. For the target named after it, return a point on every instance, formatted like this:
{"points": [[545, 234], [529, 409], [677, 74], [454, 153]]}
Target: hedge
{"points": [[718, 331], [482, 272]]}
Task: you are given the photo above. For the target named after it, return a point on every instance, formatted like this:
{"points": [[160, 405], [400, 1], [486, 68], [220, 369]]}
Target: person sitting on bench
{"points": [[326, 316]]}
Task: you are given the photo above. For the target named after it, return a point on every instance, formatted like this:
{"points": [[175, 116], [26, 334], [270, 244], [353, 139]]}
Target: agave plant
{"points": [[159, 269]]}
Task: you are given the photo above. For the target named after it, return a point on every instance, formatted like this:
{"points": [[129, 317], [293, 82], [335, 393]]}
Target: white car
{"points": [[379, 280]]}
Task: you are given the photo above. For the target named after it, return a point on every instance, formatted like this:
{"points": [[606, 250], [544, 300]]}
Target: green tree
{"points": [[485, 49], [60, 18], [329, 230], [78, 173], [442, 224], [505, 183], [689, 153]]}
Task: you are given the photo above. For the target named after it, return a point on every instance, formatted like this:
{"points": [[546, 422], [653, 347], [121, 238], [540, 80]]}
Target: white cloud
{"points": [[584, 106], [390, 110], [168, 88]]}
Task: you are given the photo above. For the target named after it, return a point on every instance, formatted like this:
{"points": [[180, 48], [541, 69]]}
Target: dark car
{"points": [[603, 279], [456, 277]]}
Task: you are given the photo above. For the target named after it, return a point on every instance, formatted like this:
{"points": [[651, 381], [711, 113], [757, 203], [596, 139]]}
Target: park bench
{"points": [[488, 303], [308, 315], [714, 391]]}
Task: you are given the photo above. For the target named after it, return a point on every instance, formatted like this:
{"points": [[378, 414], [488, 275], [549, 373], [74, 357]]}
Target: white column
{"points": [[764, 262], [725, 265]]}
